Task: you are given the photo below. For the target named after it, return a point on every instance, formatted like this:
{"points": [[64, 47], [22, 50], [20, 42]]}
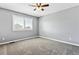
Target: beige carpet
{"points": [[38, 46]]}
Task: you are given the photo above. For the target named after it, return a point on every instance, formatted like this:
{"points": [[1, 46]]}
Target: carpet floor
{"points": [[38, 46]]}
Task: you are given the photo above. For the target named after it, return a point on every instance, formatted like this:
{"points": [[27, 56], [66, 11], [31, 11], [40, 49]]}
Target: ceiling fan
{"points": [[39, 6]]}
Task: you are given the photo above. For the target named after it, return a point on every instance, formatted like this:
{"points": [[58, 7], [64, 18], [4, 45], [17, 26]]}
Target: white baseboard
{"points": [[18, 40], [40, 37], [60, 41]]}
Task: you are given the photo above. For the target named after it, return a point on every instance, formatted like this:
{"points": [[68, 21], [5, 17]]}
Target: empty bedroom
{"points": [[39, 28]]}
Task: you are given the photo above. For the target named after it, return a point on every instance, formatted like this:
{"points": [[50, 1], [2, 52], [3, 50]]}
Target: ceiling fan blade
{"points": [[34, 9], [45, 5], [40, 4], [42, 9], [36, 4]]}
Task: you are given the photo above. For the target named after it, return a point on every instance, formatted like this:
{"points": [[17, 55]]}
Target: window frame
{"points": [[23, 23]]}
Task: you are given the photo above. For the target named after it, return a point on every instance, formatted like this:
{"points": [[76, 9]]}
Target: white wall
{"points": [[6, 30], [63, 25]]}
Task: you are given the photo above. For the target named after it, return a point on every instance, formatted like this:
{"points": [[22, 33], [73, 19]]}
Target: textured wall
{"points": [[6, 27], [63, 25]]}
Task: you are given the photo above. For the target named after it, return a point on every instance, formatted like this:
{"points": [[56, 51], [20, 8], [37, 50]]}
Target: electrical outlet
{"points": [[3, 38]]}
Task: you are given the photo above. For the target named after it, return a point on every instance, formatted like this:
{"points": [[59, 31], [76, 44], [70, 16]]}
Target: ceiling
{"points": [[26, 9]]}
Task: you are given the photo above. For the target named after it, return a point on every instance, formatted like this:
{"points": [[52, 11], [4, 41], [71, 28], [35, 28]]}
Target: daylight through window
{"points": [[22, 23]]}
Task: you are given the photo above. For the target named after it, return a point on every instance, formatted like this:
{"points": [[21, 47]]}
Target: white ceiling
{"points": [[25, 8]]}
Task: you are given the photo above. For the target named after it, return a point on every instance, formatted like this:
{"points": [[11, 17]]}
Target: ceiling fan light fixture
{"points": [[39, 6]]}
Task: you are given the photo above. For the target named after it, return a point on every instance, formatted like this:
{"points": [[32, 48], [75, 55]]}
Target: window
{"points": [[22, 23], [28, 23]]}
